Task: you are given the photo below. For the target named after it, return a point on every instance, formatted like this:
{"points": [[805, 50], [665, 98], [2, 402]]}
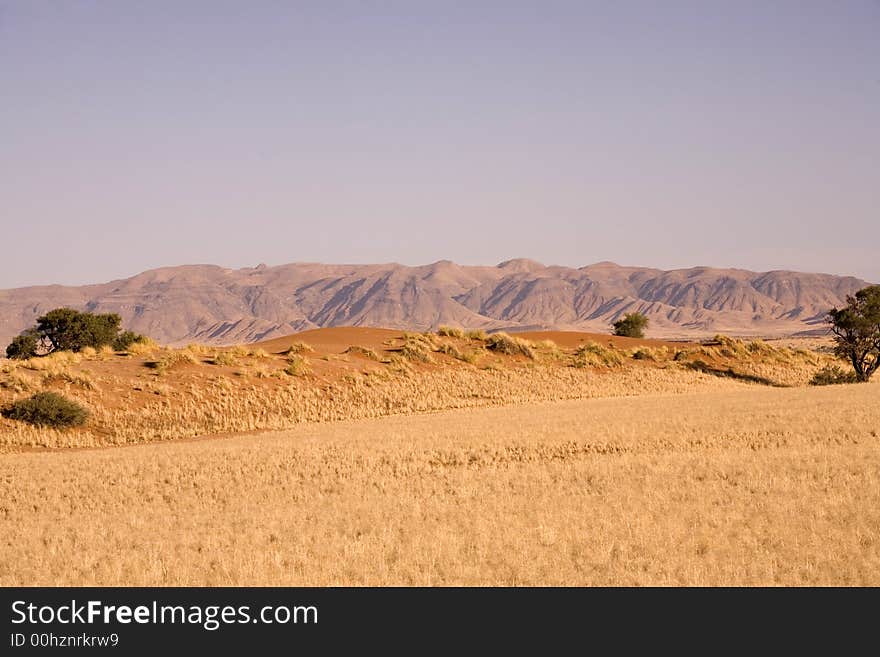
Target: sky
{"points": [[135, 135]]}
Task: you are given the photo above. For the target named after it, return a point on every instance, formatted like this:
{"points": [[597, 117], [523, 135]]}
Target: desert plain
{"points": [[378, 457]]}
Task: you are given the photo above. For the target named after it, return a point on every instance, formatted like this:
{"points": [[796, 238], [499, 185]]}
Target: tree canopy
{"points": [[68, 329], [632, 325]]}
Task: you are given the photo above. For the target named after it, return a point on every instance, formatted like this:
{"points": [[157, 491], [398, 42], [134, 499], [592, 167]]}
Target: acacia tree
{"points": [[67, 329], [856, 329], [631, 326]]}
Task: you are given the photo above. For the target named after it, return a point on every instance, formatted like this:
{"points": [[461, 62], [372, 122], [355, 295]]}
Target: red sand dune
{"points": [[338, 339]]}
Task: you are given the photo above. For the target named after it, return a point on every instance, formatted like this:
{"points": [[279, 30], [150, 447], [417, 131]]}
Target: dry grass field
{"points": [[369, 457], [153, 393], [737, 485]]}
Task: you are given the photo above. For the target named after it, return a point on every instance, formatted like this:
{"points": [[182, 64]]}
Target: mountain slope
{"points": [[207, 303]]}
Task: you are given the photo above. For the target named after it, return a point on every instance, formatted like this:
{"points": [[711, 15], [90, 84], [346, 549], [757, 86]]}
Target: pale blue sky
{"points": [[142, 134]]}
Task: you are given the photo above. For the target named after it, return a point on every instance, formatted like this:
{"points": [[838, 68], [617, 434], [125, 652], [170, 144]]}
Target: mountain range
{"points": [[211, 304]]}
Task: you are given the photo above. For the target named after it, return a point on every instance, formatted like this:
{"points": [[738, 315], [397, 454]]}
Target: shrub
{"points": [[644, 353], [593, 354], [139, 348], [127, 338], [450, 332], [832, 375], [297, 365], [631, 326], [364, 352], [47, 409], [476, 334], [224, 359], [681, 354], [416, 350], [23, 346], [171, 359], [458, 354], [509, 345], [298, 348]]}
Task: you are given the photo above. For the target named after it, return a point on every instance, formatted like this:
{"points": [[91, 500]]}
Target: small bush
{"points": [[23, 346], [297, 365], [450, 332], [644, 353], [832, 375], [143, 347], [503, 343], [298, 348], [224, 359], [594, 354], [451, 350], [127, 338], [759, 347], [681, 354], [47, 409], [171, 359], [416, 351], [364, 352], [476, 334]]}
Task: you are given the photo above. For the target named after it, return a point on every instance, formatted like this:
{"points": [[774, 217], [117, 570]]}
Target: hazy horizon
{"points": [[721, 134]]}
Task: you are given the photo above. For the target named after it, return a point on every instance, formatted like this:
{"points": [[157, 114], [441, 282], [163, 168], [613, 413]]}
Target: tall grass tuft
{"points": [[503, 343]]}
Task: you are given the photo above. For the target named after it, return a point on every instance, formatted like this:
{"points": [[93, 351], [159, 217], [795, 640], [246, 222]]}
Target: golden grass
{"points": [[725, 485], [299, 348], [297, 365], [450, 331], [593, 354], [363, 352], [174, 358], [274, 392]]}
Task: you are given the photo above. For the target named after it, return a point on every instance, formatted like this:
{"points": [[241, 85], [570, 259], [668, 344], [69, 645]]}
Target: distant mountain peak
{"points": [[521, 265]]}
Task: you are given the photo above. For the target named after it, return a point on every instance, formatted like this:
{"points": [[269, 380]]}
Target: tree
{"points": [[856, 329], [631, 326], [67, 329]]}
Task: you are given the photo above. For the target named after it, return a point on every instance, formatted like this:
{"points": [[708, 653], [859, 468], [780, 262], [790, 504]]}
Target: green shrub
{"points": [[47, 409], [23, 346], [832, 375], [125, 339]]}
